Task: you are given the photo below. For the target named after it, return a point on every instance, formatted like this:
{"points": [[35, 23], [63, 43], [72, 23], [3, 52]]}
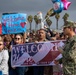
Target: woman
{"points": [[3, 58], [19, 70], [7, 43]]}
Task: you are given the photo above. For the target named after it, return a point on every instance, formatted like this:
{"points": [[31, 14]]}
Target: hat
{"points": [[69, 23]]}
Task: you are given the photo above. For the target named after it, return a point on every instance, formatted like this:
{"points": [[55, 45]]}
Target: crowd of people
{"points": [[41, 35]]}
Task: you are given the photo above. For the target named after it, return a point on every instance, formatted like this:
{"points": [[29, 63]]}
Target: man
{"points": [[69, 50], [42, 35], [41, 70]]}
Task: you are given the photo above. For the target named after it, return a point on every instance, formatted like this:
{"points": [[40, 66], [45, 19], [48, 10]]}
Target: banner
{"points": [[36, 54], [13, 23]]}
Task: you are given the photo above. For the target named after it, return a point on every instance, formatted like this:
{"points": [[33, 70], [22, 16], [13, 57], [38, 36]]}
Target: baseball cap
{"points": [[69, 23]]}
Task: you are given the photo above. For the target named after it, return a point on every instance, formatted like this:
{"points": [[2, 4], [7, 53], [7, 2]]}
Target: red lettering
{"points": [[55, 46]]}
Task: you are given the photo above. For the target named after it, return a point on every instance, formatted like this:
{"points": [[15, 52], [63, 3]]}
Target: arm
{"points": [[60, 49], [72, 52], [24, 37], [4, 62]]}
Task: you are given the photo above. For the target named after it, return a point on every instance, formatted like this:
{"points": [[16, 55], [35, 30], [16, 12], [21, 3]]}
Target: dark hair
{"points": [[61, 34], [42, 29]]}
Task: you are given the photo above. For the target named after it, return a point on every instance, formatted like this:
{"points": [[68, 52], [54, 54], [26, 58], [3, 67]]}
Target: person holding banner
{"points": [[41, 70], [18, 70], [69, 50], [19, 40], [3, 58]]}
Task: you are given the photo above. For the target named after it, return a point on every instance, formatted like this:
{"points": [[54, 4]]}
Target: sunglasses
{"points": [[17, 38]]}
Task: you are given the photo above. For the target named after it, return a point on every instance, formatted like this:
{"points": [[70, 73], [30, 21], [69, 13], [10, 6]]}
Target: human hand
{"points": [[13, 67], [56, 62], [60, 49], [36, 41]]}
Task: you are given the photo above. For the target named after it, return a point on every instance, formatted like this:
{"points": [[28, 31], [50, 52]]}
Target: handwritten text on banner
{"points": [[13, 23]]}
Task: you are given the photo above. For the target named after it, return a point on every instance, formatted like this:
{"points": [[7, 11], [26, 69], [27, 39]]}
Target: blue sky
{"points": [[31, 7]]}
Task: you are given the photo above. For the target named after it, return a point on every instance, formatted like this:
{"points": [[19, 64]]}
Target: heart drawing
{"points": [[4, 24], [23, 24]]}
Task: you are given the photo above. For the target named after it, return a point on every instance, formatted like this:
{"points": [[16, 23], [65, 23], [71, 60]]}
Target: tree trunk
{"points": [[35, 27], [57, 24], [49, 26], [30, 27]]}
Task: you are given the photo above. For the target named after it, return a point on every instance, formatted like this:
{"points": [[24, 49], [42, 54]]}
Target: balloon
{"points": [[55, 1], [39, 15], [66, 4], [58, 7]]}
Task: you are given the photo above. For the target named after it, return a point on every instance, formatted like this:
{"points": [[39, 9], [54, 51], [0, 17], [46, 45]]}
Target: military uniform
{"points": [[69, 56]]}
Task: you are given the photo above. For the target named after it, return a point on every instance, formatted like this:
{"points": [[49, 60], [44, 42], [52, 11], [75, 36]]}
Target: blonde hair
{"points": [[1, 39], [19, 35]]}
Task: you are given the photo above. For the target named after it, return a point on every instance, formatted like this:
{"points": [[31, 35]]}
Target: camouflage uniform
{"points": [[69, 57]]}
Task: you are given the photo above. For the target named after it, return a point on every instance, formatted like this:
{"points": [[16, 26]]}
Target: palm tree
{"points": [[49, 22], [50, 12], [57, 16], [30, 19], [65, 17], [36, 21]]}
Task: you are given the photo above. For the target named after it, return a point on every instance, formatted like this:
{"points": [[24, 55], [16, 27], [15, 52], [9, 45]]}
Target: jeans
{"points": [[21, 70], [12, 72], [18, 71], [38, 70]]}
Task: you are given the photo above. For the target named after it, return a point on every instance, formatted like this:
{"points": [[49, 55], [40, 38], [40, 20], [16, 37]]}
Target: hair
{"points": [[43, 30], [7, 38], [1, 39], [71, 27], [19, 35]]}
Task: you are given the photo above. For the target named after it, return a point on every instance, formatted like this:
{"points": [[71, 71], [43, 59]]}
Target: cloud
{"points": [[33, 6], [29, 5]]}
